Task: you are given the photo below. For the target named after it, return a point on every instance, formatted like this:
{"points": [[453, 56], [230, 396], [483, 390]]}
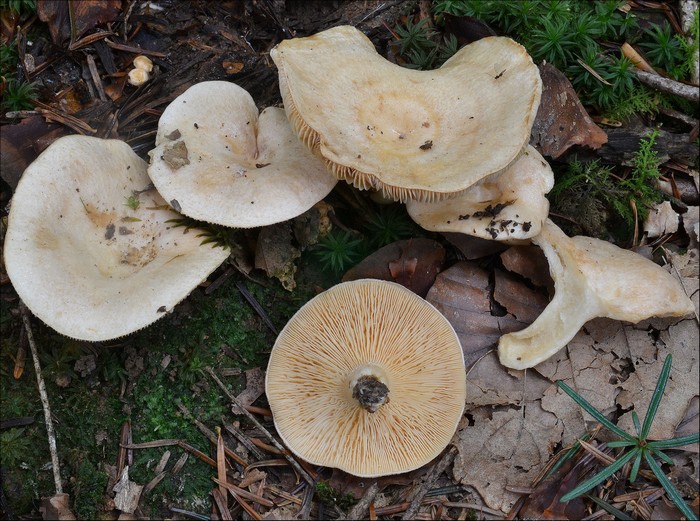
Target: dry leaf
{"points": [[85, 15], [681, 340], [275, 253], [508, 447], [461, 293], [413, 263], [561, 120], [474, 247], [489, 383], [662, 219], [529, 262], [690, 424], [254, 388]]}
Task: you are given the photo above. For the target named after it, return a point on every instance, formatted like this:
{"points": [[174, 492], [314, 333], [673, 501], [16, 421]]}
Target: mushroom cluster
{"points": [[367, 377]]}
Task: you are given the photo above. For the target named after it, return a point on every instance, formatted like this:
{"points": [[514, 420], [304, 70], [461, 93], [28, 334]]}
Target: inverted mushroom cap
{"points": [[334, 362], [507, 206], [88, 248], [413, 134], [222, 163], [592, 278]]}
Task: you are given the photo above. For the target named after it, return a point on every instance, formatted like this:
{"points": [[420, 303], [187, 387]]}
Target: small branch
{"points": [[416, 498], [44, 400], [361, 508], [655, 81], [262, 429]]}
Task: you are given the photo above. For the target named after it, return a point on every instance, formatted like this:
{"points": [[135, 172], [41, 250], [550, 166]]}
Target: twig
{"points": [[256, 306], [359, 511], [655, 81], [416, 497], [209, 434], [262, 429], [44, 400]]}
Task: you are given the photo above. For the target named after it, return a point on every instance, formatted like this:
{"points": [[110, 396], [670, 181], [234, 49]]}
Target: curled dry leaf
{"points": [[506, 447], [61, 17], [662, 219], [275, 253], [413, 263], [462, 294], [561, 120]]}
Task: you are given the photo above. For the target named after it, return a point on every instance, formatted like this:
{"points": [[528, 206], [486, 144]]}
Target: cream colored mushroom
{"points": [[88, 246], [216, 160], [413, 134], [592, 278], [507, 206], [367, 377]]}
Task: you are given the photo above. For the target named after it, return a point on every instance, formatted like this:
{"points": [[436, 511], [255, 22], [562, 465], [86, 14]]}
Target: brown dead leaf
{"points": [[86, 15], [254, 388], [20, 144], [461, 293], [474, 247], [681, 340], [413, 263], [561, 120], [662, 219], [275, 253], [544, 501], [690, 424], [507, 447], [57, 507], [524, 304], [529, 262], [311, 225], [490, 383]]}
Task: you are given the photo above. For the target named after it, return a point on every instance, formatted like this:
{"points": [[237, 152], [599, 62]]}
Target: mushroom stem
{"points": [[370, 392]]}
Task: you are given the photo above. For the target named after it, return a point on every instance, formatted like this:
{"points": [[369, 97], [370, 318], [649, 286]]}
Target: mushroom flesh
{"points": [[217, 160], [507, 206], [412, 134], [89, 248], [592, 278]]}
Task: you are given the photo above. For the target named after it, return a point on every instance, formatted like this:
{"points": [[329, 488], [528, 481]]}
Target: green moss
{"points": [[331, 497]]}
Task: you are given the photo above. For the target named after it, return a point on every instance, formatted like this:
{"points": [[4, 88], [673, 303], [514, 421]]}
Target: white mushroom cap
{"points": [[507, 206], [413, 134], [223, 164], [359, 331], [85, 261], [592, 278]]}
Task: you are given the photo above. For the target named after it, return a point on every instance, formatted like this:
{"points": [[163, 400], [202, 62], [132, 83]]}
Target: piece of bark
{"points": [[57, 508], [561, 120], [128, 493], [623, 144]]}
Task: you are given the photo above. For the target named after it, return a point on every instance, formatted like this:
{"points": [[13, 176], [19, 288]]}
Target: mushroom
{"points": [[222, 163], [507, 206], [592, 278], [413, 134], [88, 246], [367, 377]]}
